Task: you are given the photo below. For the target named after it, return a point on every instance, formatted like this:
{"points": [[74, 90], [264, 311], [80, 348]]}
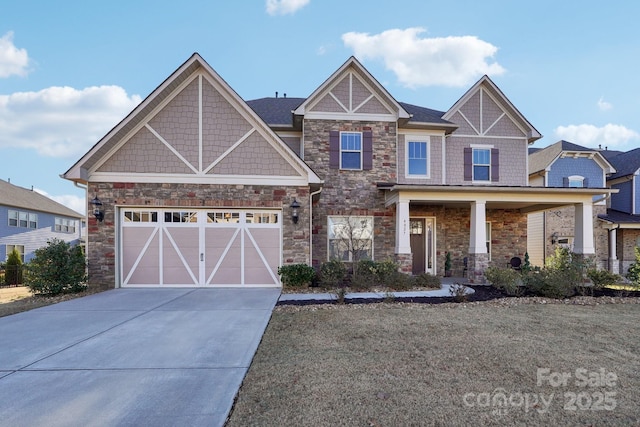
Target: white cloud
{"points": [[609, 135], [62, 121], [71, 201], [284, 7], [604, 105], [13, 61], [448, 61]]}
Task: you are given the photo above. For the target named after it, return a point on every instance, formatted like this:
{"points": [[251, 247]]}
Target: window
{"points": [[488, 225], [417, 158], [350, 238], [140, 216], [65, 225], [181, 216], [13, 218], [23, 219], [19, 248], [576, 181], [481, 164], [350, 150], [223, 217]]}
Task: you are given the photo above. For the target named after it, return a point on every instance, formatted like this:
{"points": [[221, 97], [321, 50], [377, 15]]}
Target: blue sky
{"points": [[71, 70]]}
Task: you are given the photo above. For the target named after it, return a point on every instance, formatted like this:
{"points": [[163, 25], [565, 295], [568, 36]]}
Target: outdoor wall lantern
{"points": [[97, 209], [554, 238], [294, 211]]}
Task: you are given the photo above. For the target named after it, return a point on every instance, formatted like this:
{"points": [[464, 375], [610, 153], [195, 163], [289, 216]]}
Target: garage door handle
{"points": [[201, 257]]}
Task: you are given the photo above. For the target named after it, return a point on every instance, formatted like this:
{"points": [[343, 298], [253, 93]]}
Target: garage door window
{"points": [[262, 218], [223, 217], [181, 216], [140, 216]]}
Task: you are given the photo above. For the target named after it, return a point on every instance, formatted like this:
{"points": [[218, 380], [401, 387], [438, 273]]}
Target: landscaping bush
{"points": [[602, 278], [57, 268], [368, 274], [13, 269], [426, 280], [332, 273], [564, 274], [507, 280], [296, 275], [633, 274], [365, 274]]}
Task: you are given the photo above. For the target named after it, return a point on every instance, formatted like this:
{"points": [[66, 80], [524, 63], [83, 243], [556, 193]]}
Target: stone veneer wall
{"points": [[508, 235], [562, 221], [626, 240], [101, 236], [348, 192]]}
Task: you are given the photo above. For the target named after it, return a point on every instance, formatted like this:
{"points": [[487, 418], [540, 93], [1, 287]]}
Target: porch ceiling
{"points": [[524, 199]]}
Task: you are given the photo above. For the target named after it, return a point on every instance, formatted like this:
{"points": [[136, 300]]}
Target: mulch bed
{"points": [[482, 293]]}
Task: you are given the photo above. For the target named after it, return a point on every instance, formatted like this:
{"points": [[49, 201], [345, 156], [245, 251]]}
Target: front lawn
{"points": [[512, 361]]}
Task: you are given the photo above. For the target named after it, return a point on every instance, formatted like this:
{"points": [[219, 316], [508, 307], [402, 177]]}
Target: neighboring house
{"points": [[622, 219], [566, 165], [200, 188], [28, 220]]}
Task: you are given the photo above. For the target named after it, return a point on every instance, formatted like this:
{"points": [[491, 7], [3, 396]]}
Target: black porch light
{"points": [[97, 209], [295, 206]]}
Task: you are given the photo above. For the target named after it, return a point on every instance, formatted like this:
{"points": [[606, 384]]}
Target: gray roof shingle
{"points": [[19, 197], [541, 159], [625, 163]]}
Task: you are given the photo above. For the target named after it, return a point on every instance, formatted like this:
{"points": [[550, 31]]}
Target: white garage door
{"points": [[181, 247]]}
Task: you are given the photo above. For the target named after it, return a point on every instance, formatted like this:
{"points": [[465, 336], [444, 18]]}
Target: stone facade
{"points": [[627, 240], [562, 221], [101, 244], [352, 192]]}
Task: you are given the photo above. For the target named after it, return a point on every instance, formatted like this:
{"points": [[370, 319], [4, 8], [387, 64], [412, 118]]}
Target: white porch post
{"points": [[583, 240], [478, 232], [614, 266], [403, 244]]}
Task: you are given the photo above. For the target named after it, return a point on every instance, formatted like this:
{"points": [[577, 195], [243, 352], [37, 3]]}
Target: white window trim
{"points": [[346, 217], [406, 158], [488, 228], [473, 164], [576, 178], [8, 251], [351, 151]]}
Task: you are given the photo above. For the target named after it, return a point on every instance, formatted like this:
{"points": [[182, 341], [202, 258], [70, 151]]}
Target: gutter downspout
{"points": [[311, 224]]}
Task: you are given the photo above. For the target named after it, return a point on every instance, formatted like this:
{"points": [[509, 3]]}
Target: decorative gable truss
{"points": [[196, 130], [351, 93]]}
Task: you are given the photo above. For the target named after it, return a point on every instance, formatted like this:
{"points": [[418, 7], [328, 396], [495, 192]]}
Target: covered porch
{"points": [[480, 226]]}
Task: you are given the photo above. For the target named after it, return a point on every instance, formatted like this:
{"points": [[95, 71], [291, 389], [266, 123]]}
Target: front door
{"points": [[422, 245]]}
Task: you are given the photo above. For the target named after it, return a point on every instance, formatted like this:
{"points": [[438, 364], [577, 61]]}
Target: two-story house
{"points": [[567, 165], [622, 219], [200, 188], [28, 220]]}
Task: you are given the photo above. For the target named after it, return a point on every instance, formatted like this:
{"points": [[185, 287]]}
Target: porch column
{"points": [[478, 257], [583, 240], [404, 258], [478, 229], [403, 245], [614, 265]]}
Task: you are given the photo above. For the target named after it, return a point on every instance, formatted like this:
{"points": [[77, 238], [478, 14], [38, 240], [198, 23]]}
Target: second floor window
{"points": [[417, 158], [65, 225], [481, 164], [575, 181], [23, 219], [351, 150]]}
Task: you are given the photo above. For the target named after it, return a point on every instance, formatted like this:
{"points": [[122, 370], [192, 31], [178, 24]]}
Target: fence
{"points": [[12, 275]]}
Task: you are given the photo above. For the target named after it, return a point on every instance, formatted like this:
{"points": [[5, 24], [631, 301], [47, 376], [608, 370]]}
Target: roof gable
{"points": [[543, 159], [484, 110], [188, 128], [352, 92], [22, 198], [626, 163]]}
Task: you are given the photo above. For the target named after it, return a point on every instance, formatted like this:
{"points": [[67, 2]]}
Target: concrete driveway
{"points": [[157, 357]]}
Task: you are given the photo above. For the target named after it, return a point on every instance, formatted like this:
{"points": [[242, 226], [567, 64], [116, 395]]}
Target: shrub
{"points": [[332, 273], [57, 268], [365, 274], [458, 292], [296, 275], [633, 274], [505, 279], [13, 269], [426, 280], [602, 278], [387, 274]]}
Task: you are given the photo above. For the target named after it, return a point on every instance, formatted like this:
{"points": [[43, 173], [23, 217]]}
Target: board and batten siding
{"points": [[535, 238]]}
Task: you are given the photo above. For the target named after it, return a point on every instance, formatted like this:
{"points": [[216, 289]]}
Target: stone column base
{"points": [[477, 264], [405, 263], [614, 266]]}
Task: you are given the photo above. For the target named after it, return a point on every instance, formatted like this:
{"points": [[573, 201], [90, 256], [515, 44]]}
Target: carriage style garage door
{"points": [[181, 247]]}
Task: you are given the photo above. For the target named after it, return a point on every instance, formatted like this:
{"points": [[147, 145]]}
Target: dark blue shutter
{"points": [[468, 164], [495, 165], [367, 150], [565, 181], [334, 149]]}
